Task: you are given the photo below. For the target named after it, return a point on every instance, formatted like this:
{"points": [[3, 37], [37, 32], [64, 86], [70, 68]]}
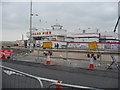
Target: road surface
{"points": [[69, 75]]}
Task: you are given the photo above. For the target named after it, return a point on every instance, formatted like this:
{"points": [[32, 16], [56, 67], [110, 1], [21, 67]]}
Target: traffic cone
{"points": [[48, 62], [3, 57], [58, 87], [91, 66]]}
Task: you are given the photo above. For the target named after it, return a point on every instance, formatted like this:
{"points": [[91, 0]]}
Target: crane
{"points": [[117, 24]]}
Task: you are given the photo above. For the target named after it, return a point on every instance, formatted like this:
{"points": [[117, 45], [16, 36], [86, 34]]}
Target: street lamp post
{"points": [[30, 24], [31, 14]]}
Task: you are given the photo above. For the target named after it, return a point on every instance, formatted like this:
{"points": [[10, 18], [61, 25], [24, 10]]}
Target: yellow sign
{"points": [[92, 45], [47, 44]]}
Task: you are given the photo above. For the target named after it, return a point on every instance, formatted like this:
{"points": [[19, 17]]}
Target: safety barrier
{"points": [[16, 79], [67, 57], [5, 54], [73, 87]]}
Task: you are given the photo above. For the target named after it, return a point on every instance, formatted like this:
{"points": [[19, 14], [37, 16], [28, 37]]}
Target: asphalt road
{"points": [[76, 76]]}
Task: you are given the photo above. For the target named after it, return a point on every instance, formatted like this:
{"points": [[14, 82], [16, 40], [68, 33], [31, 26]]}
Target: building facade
{"points": [[57, 33]]}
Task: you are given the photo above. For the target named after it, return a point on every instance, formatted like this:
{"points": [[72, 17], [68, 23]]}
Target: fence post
{"points": [[38, 56], [40, 82], [58, 87]]}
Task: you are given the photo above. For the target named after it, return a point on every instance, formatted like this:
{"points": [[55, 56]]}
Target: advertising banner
{"points": [[115, 46], [91, 45], [107, 46]]}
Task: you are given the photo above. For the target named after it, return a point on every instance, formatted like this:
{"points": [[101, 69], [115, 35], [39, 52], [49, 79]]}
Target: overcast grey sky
{"points": [[72, 15]]}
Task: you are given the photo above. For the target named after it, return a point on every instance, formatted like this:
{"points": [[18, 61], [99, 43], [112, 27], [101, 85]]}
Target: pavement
{"points": [[69, 58], [81, 63]]}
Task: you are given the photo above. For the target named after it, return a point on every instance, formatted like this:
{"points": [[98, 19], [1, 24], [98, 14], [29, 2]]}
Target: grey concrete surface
{"points": [[69, 75], [81, 63]]}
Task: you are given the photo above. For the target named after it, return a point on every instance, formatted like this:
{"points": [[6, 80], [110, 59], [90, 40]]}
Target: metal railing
{"points": [[21, 76], [73, 87], [67, 57], [16, 79]]}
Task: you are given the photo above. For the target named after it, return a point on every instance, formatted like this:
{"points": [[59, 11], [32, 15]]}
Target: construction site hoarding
{"points": [[102, 45]]}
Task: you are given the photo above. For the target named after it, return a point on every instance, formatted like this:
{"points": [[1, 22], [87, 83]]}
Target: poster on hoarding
{"points": [[83, 46], [107, 46], [73, 45], [78, 45], [115, 46], [100, 46]]}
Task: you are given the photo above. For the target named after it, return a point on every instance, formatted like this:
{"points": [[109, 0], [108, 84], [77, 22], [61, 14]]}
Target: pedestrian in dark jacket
{"points": [[57, 45]]}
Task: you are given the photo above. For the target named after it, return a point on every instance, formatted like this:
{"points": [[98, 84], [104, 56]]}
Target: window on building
{"points": [[83, 31]]}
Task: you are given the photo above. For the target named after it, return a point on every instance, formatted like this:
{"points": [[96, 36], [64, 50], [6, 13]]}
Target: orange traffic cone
{"points": [[58, 87], [3, 57], [48, 62], [91, 66]]}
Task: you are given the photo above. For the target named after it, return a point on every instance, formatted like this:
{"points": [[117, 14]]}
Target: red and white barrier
{"points": [[4, 53], [3, 56]]}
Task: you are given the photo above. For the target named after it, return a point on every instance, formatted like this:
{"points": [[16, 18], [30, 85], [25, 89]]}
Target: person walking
{"points": [[57, 45]]}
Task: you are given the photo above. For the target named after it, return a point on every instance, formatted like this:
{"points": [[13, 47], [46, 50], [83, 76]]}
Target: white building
{"points": [[57, 33], [109, 36]]}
